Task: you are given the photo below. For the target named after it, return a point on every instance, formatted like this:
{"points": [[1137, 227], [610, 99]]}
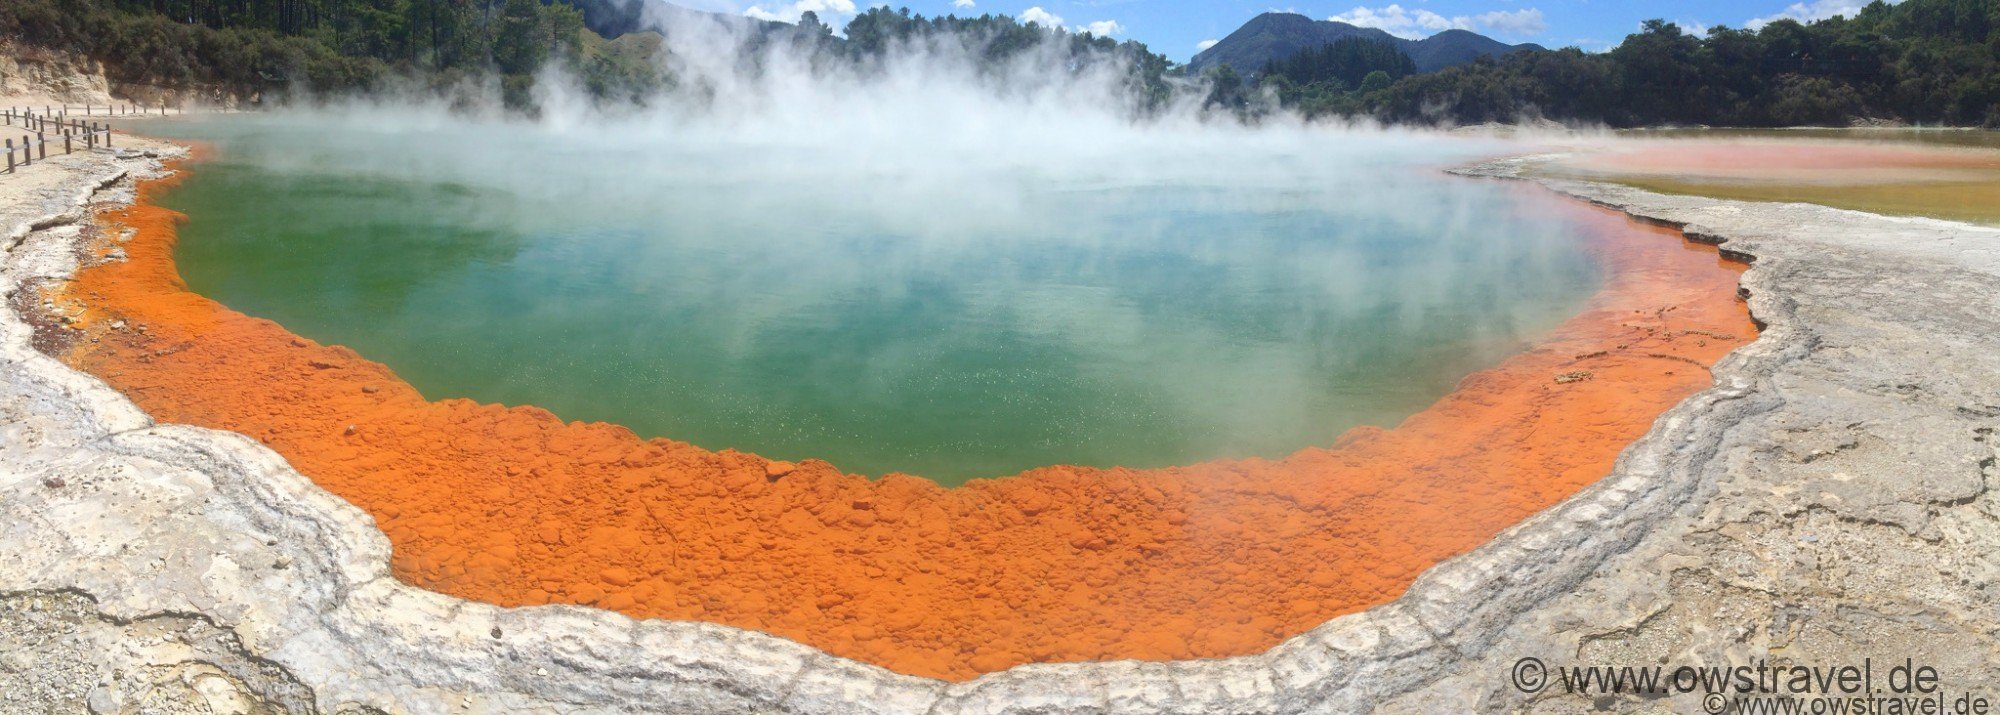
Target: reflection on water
{"points": [[949, 316]]}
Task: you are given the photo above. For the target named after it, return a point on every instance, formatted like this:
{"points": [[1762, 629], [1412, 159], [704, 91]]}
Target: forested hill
{"points": [[245, 48], [265, 48], [1920, 61]]}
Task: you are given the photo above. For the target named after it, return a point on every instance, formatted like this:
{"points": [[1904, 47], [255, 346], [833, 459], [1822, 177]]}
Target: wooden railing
{"points": [[119, 108], [45, 130]]}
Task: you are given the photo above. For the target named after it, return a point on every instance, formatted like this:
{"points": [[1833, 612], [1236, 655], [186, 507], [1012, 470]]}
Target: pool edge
{"points": [[359, 637]]}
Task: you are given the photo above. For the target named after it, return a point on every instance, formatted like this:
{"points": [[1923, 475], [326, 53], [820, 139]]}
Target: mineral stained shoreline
{"points": [[1826, 500], [515, 507]]}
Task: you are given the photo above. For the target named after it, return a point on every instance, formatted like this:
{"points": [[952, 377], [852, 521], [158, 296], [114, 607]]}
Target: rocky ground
{"points": [[1826, 502]]}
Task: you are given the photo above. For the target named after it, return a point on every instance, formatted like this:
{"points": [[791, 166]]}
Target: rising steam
{"points": [[1263, 271]]}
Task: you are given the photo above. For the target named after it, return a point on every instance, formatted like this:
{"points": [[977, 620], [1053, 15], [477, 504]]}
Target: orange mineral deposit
{"points": [[514, 506]]}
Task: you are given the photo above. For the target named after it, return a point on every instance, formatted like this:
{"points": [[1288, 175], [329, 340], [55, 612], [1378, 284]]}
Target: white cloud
{"points": [[1417, 23], [963, 4], [1592, 45], [1041, 17], [1518, 22], [1815, 10], [1395, 20], [1204, 45], [829, 11], [1101, 28]]}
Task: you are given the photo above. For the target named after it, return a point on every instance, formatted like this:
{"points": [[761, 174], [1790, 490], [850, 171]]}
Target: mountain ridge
{"points": [[1277, 35]]}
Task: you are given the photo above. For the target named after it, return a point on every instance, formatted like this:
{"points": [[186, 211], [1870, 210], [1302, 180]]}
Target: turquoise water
{"points": [[937, 313]]}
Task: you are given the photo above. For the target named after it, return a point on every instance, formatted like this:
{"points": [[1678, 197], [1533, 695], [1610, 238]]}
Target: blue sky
{"points": [[1176, 28]]}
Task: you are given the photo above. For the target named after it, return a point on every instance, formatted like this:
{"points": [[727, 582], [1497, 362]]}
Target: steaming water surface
{"points": [[949, 309]]}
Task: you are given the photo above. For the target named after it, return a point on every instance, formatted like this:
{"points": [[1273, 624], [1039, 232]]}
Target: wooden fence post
{"points": [[27, 152], [107, 135], [42, 140], [10, 156]]}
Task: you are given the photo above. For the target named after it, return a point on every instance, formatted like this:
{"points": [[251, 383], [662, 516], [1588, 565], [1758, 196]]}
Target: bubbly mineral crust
{"points": [[1827, 500], [514, 506]]}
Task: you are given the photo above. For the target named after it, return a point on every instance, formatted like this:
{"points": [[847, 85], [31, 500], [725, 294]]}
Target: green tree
{"points": [[1225, 89], [810, 25], [520, 46], [1375, 82], [1658, 68]]}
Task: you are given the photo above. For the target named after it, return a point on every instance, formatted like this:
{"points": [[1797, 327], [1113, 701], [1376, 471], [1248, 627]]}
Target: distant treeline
{"points": [[1333, 78], [997, 41], [1922, 61]]}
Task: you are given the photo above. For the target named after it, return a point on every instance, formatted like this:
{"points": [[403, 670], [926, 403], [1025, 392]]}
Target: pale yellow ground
{"points": [[1947, 174]]}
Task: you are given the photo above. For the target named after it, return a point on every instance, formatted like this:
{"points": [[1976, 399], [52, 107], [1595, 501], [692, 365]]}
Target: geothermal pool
{"points": [[418, 316], [950, 320]]}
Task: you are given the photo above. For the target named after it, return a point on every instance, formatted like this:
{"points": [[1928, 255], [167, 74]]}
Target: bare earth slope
{"points": [[1827, 500]]}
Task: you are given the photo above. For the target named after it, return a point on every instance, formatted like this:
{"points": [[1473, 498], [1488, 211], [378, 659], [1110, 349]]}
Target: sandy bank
{"points": [[1696, 545]]}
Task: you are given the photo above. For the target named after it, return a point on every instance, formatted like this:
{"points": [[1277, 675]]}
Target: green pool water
{"points": [[948, 314]]}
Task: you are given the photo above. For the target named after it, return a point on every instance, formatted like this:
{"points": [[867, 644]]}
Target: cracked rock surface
{"points": [[59, 654], [1828, 500]]}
